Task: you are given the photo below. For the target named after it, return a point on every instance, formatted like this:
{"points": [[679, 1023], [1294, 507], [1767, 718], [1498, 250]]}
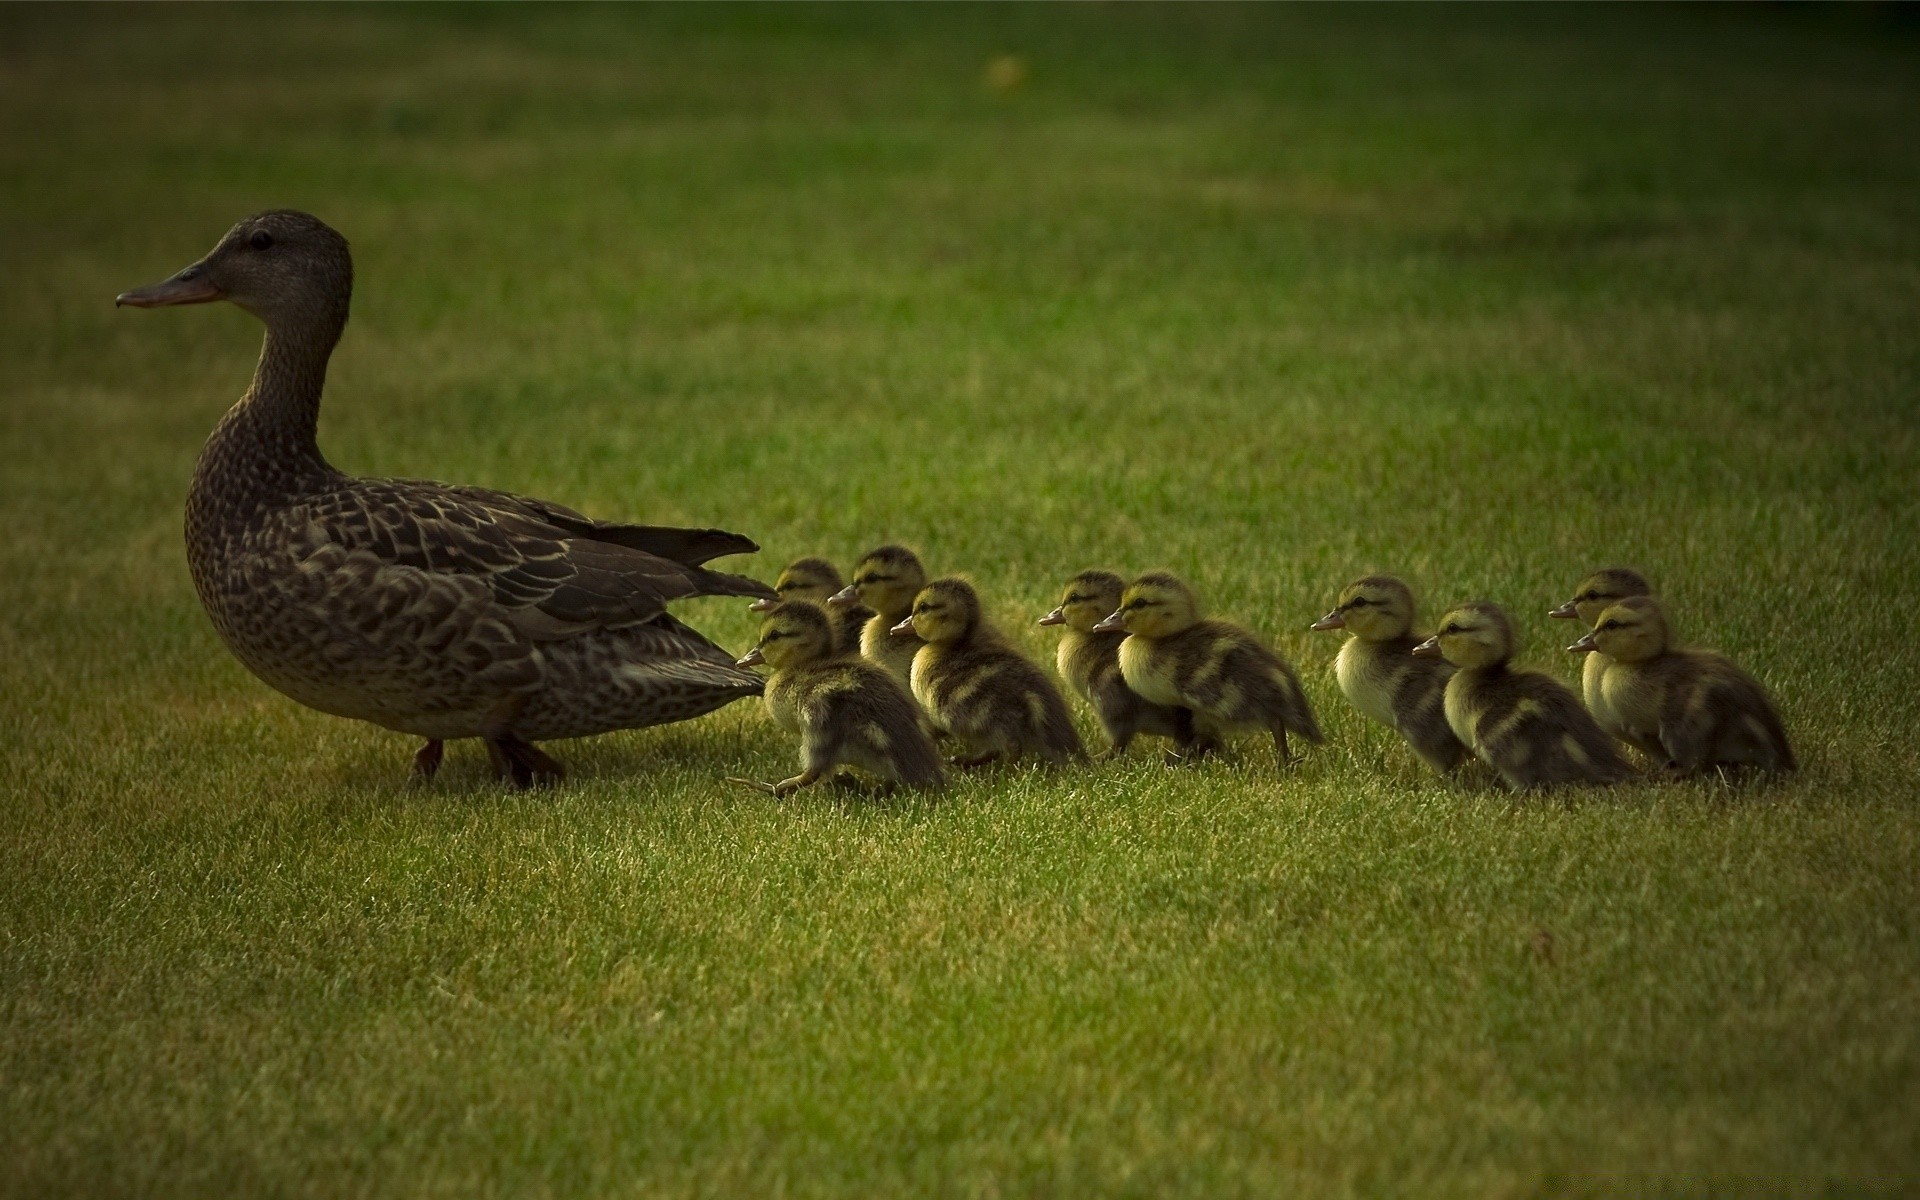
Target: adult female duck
{"points": [[435, 610]]}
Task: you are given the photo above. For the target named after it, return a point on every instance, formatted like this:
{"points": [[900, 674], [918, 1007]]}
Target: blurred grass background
{"points": [[1270, 295]]}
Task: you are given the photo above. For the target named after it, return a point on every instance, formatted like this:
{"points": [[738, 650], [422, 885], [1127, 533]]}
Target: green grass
{"points": [[1271, 296]]}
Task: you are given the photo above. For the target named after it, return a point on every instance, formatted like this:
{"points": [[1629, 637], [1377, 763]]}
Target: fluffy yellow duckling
{"points": [[1525, 725], [978, 688], [1693, 710], [815, 581], [1231, 681], [1090, 663], [1380, 675], [1598, 592], [886, 580], [846, 711]]}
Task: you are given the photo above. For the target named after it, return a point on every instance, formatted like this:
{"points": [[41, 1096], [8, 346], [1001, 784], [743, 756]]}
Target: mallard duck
{"points": [[1378, 672], [846, 711], [815, 581], [977, 687], [886, 580], [1692, 710], [1090, 663], [1597, 593], [1523, 724], [434, 610], [1228, 678]]}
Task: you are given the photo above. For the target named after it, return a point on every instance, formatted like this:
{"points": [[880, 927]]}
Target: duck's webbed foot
{"points": [[522, 763], [1282, 753], [970, 762], [426, 762]]}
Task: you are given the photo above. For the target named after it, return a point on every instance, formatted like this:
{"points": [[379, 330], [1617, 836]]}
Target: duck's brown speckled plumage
{"points": [[436, 610]]}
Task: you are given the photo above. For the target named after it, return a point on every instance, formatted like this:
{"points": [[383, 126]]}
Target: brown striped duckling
{"points": [[1090, 663], [886, 580], [1692, 710], [1379, 673], [977, 687], [1598, 592], [1226, 675], [1527, 726], [815, 581], [846, 711]]}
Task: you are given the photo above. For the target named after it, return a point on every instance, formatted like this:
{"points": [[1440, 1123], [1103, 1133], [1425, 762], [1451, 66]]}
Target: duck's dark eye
{"points": [[260, 240], [1451, 629], [1609, 624], [1358, 602]]}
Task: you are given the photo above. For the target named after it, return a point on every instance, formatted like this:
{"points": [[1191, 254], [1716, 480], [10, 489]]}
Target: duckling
{"points": [[1597, 593], [1379, 674], [846, 711], [978, 688], [1693, 710], [1226, 675], [1090, 663], [816, 581], [1527, 726], [886, 580]]}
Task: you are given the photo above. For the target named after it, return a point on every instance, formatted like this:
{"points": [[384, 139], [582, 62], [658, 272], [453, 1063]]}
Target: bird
{"points": [[886, 579], [1379, 674], [816, 581], [1525, 725], [1597, 593], [977, 688], [437, 610], [1690, 710], [1228, 678], [1090, 663], [846, 710]]}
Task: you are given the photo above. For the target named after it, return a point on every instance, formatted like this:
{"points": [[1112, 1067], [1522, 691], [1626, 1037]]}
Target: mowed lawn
{"points": [[1269, 296]]}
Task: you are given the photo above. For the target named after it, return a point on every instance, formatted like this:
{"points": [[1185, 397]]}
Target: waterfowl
{"points": [[1090, 663], [978, 688], [1379, 673], [815, 581], [435, 610], [1597, 593], [1692, 710], [886, 580], [1228, 678], [846, 711], [1525, 725]]}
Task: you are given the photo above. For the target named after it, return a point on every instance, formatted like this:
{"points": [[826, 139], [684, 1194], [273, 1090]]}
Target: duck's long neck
{"points": [[268, 442]]}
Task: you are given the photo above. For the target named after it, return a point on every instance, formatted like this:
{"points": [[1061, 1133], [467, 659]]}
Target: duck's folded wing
{"points": [[693, 547], [547, 581]]}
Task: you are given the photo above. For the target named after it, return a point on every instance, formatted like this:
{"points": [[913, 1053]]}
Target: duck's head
{"points": [[1156, 605], [1630, 631], [1378, 608], [1088, 597], [282, 266], [1472, 635], [794, 633], [811, 579], [886, 580], [1601, 591], [946, 610]]}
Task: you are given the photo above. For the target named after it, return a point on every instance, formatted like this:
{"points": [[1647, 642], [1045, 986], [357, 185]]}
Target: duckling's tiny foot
{"points": [[758, 786], [975, 762], [523, 763], [427, 761]]}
